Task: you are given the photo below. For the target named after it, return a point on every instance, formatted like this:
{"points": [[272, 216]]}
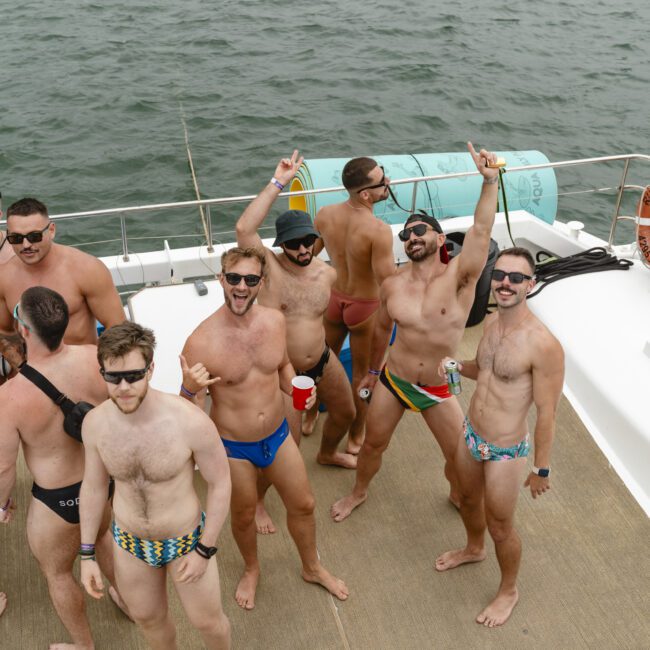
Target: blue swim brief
{"points": [[261, 452], [483, 450]]}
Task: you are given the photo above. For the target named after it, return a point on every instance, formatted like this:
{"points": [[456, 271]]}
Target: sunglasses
{"points": [[129, 376], [418, 231], [32, 237], [18, 318], [514, 276], [235, 278], [382, 182], [295, 244]]}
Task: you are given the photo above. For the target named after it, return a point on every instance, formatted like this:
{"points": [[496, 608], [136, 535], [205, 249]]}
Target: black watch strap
{"points": [[205, 551]]}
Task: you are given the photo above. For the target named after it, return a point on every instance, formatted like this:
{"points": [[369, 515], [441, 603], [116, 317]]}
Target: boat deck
{"points": [[584, 578]]}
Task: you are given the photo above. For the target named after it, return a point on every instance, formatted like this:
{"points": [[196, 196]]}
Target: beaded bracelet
{"points": [[186, 392], [277, 183]]}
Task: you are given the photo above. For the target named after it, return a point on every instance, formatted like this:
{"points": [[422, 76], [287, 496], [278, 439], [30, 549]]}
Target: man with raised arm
{"points": [[430, 299], [83, 281], [518, 363], [54, 458], [149, 442], [360, 248], [240, 354]]}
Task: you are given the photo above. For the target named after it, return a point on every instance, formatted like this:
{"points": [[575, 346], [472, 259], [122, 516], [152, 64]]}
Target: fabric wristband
{"points": [[5, 507], [374, 372], [186, 392], [277, 183]]}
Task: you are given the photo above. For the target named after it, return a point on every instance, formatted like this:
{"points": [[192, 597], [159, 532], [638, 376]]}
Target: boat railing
{"points": [[205, 204]]}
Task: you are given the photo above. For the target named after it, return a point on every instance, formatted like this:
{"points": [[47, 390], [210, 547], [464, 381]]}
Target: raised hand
{"points": [[197, 377], [481, 160], [288, 167]]}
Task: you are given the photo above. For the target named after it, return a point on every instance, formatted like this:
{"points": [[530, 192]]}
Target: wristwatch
{"points": [[205, 551], [542, 471]]}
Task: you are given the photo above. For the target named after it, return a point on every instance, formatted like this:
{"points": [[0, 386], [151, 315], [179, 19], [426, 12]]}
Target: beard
{"points": [[298, 262], [227, 299], [133, 405], [421, 254]]}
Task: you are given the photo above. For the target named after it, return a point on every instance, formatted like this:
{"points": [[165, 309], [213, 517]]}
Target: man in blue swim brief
{"points": [[239, 354], [518, 363]]}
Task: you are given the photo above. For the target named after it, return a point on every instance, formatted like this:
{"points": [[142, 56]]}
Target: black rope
{"points": [[593, 260]]}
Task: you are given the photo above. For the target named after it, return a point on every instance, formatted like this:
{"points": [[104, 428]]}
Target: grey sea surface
{"points": [[94, 96]]}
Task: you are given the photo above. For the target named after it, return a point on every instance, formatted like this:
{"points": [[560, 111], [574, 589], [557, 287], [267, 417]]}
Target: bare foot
{"points": [[454, 499], [245, 594], [322, 577], [263, 521], [343, 507], [3, 602], [354, 445], [499, 610], [349, 461], [452, 559], [309, 421], [117, 599]]}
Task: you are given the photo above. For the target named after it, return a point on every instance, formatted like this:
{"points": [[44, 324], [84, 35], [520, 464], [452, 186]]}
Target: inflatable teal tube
{"points": [[534, 191]]}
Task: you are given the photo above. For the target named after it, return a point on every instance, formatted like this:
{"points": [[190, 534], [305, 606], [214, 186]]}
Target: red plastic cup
{"points": [[302, 387]]}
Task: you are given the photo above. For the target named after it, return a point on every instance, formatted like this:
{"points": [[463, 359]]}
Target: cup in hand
{"points": [[302, 387]]}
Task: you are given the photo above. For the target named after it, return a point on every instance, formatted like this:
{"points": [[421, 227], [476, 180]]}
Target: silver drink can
{"points": [[365, 394], [453, 377]]}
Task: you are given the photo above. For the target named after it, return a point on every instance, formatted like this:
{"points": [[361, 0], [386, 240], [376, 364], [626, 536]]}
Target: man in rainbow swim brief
{"points": [[518, 362], [430, 299], [149, 442]]}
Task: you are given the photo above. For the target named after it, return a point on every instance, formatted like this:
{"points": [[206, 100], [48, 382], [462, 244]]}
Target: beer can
{"points": [[365, 394], [453, 377]]}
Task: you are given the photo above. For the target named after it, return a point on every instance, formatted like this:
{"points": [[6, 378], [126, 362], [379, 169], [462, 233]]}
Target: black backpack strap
{"points": [[63, 402]]}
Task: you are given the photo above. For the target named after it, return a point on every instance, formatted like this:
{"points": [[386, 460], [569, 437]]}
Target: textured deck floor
{"points": [[584, 582]]}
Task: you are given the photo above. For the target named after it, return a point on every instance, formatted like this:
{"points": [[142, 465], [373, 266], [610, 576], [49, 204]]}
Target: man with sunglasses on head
{"points": [[150, 441], [518, 362], [54, 458], [360, 248], [239, 354], [83, 281], [430, 298]]}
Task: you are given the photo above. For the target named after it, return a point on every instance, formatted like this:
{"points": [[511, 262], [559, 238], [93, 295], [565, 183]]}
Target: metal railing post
{"points": [[619, 199], [208, 219], [415, 196], [125, 246]]}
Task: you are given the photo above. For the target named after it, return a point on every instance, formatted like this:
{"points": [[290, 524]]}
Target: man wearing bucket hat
{"points": [[299, 286], [431, 298]]}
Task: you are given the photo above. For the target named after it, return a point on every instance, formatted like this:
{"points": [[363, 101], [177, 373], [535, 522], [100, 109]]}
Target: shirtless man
{"points": [[243, 347], [430, 301], [149, 442], [55, 460], [518, 362], [360, 247], [11, 352], [83, 281]]}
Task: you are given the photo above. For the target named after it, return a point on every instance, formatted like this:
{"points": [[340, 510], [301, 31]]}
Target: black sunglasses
{"points": [[418, 231], [32, 237], [295, 244], [514, 276], [130, 376], [382, 182], [235, 278]]}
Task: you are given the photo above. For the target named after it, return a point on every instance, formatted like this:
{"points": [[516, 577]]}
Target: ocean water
{"points": [[94, 96]]}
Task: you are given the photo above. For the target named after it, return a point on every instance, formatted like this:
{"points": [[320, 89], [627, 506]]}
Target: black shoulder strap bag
{"points": [[73, 412]]}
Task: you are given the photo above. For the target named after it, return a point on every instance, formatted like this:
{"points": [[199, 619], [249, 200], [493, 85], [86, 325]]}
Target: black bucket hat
{"points": [[293, 224]]}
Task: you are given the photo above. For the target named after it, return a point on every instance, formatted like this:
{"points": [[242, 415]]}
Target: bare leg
{"points": [[54, 543], [470, 475], [288, 474], [242, 518], [384, 414], [360, 342], [335, 391], [446, 423], [143, 589], [335, 334], [3, 602], [503, 481], [202, 603]]}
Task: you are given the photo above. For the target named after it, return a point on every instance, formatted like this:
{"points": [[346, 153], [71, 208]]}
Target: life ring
{"points": [[643, 227]]}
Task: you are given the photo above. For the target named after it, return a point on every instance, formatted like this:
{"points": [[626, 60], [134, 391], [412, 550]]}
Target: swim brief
{"points": [[483, 450], [414, 396], [261, 452], [348, 310], [316, 372], [158, 553], [64, 501]]}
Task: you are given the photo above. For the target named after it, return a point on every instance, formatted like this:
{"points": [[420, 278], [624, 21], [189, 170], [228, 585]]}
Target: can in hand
{"points": [[365, 394], [453, 377]]}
